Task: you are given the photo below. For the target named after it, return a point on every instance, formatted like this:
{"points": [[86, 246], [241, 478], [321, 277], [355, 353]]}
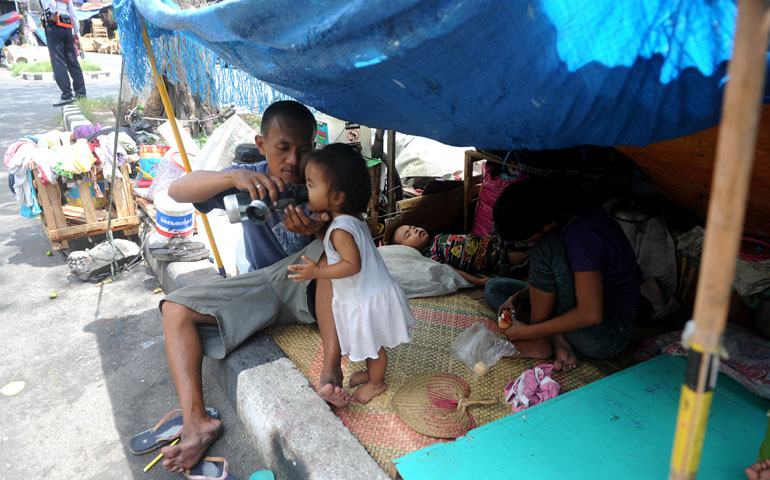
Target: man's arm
{"points": [[73, 19], [199, 186]]}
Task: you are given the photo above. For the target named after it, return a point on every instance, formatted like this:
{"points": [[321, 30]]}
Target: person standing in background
{"points": [[61, 31]]}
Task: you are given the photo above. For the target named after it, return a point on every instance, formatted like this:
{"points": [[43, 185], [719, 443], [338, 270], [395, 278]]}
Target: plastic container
{"points": [[149, 158], [173, 219], [333, 130]]}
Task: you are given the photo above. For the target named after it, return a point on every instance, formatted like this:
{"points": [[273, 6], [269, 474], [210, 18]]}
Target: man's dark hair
{"points": [[290, 110], [524, 208], [345, 171]]}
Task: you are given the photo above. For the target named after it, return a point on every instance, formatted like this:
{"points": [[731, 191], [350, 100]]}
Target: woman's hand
{"points": [[517, 330], [517, 302], [308, 271]]}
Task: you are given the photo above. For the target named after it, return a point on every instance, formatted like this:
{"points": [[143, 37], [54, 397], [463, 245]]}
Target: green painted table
{"points": [[621, 426]]}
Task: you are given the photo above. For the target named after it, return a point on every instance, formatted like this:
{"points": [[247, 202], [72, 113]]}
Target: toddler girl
{"points": [[370, 309]]}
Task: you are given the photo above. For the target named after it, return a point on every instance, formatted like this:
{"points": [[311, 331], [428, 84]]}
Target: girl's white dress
{"points": [[370, 309]]}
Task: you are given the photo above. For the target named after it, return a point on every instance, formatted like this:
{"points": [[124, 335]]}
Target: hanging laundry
{"points": [[17, 159], [533, 386]]}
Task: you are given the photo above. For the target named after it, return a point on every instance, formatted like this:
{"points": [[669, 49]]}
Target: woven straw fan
{"points": [[436, 404]]}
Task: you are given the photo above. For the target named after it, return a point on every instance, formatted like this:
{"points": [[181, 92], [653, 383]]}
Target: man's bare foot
{"points": [[197, 435], [358, 378], [333, 394], [368, 392], [566, 359], [331, 374], [758, 471], [535, 348]]}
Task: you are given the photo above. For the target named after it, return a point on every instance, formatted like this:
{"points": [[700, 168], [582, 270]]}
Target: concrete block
{"points": [[295, 430]]}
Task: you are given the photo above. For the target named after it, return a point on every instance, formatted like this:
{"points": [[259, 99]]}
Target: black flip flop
{"points": [[166, 430]]}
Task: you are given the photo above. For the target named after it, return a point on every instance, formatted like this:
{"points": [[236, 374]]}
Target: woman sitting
{"points": [[583, 278]]}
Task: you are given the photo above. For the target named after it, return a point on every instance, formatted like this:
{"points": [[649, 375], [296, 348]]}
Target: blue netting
{"points": [[539, 74]]}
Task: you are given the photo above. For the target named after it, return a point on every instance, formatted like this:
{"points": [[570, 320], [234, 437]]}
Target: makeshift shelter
{"points": [[552, 74]]}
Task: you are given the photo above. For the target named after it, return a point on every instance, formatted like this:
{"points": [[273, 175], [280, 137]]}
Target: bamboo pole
{"points": [[736, 143], [180, 144]]}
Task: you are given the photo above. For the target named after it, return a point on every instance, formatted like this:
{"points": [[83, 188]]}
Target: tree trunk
{"points": [[186, 105]]}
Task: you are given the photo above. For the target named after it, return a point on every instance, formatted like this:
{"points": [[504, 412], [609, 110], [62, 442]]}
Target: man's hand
{"points": [[308, 271], [517, 330], [296, 220], [259, 185]]}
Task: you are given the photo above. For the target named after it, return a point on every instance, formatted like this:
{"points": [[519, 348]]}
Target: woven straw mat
{"points": [[440, 319]]}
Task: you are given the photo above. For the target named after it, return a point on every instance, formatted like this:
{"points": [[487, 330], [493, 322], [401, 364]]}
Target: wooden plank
{"points": [[119, 198], [128, 191], [92, 228], [618, 427], [88, 204]]}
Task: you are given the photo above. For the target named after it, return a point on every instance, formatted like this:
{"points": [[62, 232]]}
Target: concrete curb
{"points": [[49, 76], [293, 429]]}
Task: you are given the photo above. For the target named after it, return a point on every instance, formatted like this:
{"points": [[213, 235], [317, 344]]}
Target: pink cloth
{"points": [[532, 387]]}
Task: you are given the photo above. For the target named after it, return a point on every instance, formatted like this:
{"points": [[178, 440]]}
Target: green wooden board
{"points": [[621, 426]]}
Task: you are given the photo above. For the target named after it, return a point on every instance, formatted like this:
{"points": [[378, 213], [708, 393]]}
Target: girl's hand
{"points": [[308, 271]]}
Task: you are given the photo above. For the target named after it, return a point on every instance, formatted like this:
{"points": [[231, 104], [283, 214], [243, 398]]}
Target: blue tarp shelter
{"points": [[539, 75], [7, 31]]}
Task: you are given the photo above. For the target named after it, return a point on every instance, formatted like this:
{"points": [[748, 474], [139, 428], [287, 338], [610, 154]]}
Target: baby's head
{"points": [[411, 236], [337, 179]]}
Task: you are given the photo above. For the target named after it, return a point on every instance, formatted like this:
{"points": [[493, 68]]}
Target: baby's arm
{"points": [[349, 264]]}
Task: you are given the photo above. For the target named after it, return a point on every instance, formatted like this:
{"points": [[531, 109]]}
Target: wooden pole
{"points": [[179, 142], [391, 171], [727, 208]]}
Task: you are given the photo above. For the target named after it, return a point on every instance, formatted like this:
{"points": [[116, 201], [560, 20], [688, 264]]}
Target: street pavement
{"points": [[93, 358]]}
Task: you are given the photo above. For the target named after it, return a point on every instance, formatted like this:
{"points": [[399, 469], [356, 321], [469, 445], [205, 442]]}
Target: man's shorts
{"points": [[248, 303]]}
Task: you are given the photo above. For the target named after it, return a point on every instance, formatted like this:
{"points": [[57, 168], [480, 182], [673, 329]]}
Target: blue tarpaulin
{"points": [[7, 31], [540, 74]]}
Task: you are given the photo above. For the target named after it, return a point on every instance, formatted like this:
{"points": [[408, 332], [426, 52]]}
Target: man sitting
{"points": [[215, 318]]}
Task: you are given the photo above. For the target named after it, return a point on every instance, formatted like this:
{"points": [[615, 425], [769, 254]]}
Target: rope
{"points": [[113, 259]]}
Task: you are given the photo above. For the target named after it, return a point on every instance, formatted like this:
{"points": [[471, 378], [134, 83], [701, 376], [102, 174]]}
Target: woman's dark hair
{"points": [[345, 171], [524, 208]]}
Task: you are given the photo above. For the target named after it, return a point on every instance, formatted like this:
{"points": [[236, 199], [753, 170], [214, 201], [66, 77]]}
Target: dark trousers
{"points": [[61, 47]]}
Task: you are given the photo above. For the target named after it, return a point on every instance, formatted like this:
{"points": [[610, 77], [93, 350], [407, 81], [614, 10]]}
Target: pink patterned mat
{"points": [[749, 362]]}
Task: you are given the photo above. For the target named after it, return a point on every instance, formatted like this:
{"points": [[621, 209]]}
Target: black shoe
{"points": [[64, 101]]}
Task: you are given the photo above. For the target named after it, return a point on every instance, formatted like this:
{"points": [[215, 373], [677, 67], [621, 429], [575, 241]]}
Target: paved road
{"points": [[93, 358]]}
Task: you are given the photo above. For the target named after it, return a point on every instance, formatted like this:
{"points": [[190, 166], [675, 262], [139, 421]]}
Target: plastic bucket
{"points": [[173, 219]]}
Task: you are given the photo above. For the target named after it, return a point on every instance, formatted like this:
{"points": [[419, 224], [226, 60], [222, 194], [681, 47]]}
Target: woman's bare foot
{"points": [[566, 359], [539, 348], [758, 471], [333, 394], [197, 435], [368, 391], [358, 378]]}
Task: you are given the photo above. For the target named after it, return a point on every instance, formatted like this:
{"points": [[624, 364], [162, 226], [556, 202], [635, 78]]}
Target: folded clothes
{"points": [[532, 387]]}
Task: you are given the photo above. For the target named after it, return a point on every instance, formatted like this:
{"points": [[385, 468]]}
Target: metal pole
{"points": [[736, 143], [178, 138]]}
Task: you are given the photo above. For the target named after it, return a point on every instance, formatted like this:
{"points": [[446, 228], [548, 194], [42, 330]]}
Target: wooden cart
{"points": [[64, 222]]}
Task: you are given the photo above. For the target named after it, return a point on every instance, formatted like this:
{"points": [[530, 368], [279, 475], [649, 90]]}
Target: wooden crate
{"points": [[63, 222]]}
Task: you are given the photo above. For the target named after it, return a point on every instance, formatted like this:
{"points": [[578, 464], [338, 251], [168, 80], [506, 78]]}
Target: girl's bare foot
{"points": [[368, 391], [358, 378], [566, 359], [197, 435]]}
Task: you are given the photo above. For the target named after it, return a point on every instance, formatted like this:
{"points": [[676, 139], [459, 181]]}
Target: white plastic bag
{"points": [[477, 344]]}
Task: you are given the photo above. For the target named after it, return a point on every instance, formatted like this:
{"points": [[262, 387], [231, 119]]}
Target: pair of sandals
{"points": [[168, 429]]}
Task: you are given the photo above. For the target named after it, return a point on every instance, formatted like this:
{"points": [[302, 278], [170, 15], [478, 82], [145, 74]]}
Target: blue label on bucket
{"points": [[174, 222]]}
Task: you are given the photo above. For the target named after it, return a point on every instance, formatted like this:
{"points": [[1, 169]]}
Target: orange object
{"points": [[506, 319]]}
